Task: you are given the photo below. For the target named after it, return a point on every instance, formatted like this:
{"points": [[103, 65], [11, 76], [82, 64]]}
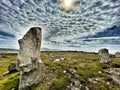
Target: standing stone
{"points": [[117, 54], [104, 55], [28, 60]]}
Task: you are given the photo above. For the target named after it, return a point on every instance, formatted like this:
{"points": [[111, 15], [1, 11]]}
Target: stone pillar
{"points": [[28, 60], [117, 54], [104, 55]]}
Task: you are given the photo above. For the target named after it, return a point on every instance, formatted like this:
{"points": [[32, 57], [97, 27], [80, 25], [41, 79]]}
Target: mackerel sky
{"points": [[88, 26]]}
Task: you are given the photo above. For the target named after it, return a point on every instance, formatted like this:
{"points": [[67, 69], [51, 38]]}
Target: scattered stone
{"points": [[117, 54], [99, 72], [68, 75], [48, 83], [5, 73], [13, 89], [72, 70], [75, 88], [94, 81], [74, 84], [114, 74], [76, 76], [90, 79], [12, 67], [87, 88], [56, 60], [104, 55], [108, 83], [62, 59], [28, 61], [64, 71], [97, 79]]}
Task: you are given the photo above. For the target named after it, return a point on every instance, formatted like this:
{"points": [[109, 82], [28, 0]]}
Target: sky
{"points": [[86, 25]]}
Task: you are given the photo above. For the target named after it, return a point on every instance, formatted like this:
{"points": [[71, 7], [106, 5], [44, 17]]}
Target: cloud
{"points": [[88, 17], [5, 34]]}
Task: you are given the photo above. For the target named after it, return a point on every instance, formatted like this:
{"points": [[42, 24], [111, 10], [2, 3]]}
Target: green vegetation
{"points": [[9, 82], [82, 66], [59, 84], [5, 61]]}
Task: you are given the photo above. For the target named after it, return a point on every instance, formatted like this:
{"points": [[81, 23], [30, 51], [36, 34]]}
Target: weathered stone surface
{"points": [[29, 62], [104, 55], [114, 73], [12, 67], [117, 54]]}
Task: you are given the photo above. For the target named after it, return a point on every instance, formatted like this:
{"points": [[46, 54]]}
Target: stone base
{"points": [[105, 60], [31, 77]]}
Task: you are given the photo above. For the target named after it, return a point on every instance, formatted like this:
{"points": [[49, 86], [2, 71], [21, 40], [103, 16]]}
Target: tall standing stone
{"points": [[104, 55], [28, 60]]}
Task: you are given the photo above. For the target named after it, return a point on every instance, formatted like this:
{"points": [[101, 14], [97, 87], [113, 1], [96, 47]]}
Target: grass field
{"points": [[62, 69]]}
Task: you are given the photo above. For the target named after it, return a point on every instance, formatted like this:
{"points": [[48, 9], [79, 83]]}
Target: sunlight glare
{"points": [[67, 4]]}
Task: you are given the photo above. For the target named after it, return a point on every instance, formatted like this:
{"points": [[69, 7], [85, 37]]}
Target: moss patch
{"points": [[9, 82]]}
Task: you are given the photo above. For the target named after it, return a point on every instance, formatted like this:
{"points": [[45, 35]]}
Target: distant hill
{"points": [[47, 49], [7, 50]]}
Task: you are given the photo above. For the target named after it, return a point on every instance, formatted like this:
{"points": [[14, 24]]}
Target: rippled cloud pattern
{"points": [[62, 29]]}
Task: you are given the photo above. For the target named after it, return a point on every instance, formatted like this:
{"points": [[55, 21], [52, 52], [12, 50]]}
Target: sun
{"points": [[68, 4]]}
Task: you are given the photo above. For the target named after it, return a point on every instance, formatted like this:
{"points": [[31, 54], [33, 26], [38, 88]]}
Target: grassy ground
{"points": [[84, 67], [9, 81]]}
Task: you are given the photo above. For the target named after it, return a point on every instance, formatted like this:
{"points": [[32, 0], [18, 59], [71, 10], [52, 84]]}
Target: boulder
{"points": [[28, 60], [117, 54], [104, 55], [12, 67]]}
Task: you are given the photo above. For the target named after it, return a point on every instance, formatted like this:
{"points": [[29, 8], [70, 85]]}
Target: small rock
{"points": [[71, 84], [81, 85], [76, 76], [56, 60], [62, 59], [94, 82], [48, 83], [72, 70], [75, 88], [13, 89], [64, 71], [108, 83], [12, 67], [87, 88], [97, 79], [68, 75], [99, 72], [90, 79], [5, 73]]}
